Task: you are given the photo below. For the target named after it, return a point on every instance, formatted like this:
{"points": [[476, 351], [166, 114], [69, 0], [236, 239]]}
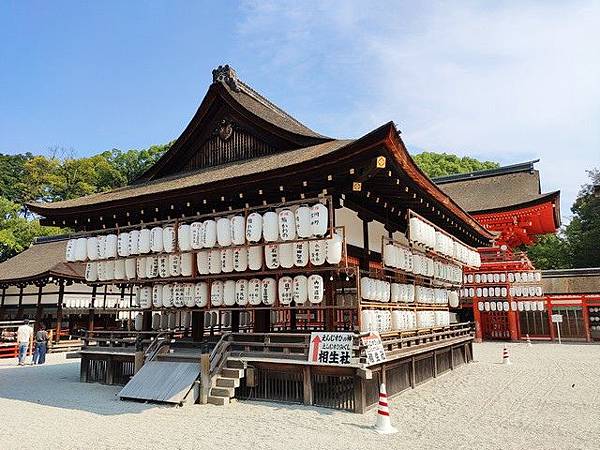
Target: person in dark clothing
{"points": [[41, 345]]}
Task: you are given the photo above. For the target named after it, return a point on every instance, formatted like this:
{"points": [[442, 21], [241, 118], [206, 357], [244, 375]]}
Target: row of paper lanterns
{"points": [[502, 292], [422, 233], [512, 277], [173, 320], [218, 261], [398, 257], [383, 291], [299, 290], [306, 222], [381, 321], [512, 306]]}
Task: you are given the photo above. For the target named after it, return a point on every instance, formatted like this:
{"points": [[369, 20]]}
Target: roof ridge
{"points": [[502, 170]]}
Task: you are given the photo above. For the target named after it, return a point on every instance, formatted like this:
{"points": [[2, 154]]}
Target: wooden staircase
{"points": [[223, 385]]}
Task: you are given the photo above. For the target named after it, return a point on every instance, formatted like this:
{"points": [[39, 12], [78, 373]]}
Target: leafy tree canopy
{"points": [[442, 164]]}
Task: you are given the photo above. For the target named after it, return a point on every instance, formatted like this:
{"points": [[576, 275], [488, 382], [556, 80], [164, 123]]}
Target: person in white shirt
{"points": [[24, 341]]}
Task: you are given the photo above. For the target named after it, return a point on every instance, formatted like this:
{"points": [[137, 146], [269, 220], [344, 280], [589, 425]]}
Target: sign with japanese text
{"points": [[373, 348], [331, 348], [557, 318]]}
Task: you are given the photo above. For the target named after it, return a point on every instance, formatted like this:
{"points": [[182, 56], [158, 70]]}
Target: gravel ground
{"points": [[548, 399]]}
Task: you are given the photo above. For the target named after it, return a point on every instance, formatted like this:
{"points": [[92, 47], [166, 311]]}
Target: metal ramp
{"points": [[163, 381]]}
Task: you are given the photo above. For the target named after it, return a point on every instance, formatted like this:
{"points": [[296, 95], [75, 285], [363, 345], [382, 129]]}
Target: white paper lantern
{"points": [[238, 230], [134, 244], [123, 244], [197, 235], [155, 321], [253, 227], [527, 306], [240, 259], [533, 306], [138, 322], [163, 266], [91, 248], [487, 306], [157, 291], [186, 319], [497, 291], [178, 295], [317, 252], [254, 291], [168, 240], [301, 254], [174, 265], [91, 271], [270, 226], [81, 249], [144, 241], [285, 290], [303, 221], [111, 245], [151, 266], [540, 306], [156, 240], [395, 293], [300, 289], [513, 306], [214, 261], [286, 255], [480, 306], [145, 297], [187, 263], [229, 293], [71, 250], [227, 260], [287, 225], [189, 295], [241, 292], [216, 293], [453, 299], [141, 267], [272, 256], [505, 306], [184, 237], [538, 291], [224, 232], [210, 233], [109, 270], [334, 249], [255, 258], [319, 219], [268, 291], [202, 259], [201, 294], [315, 289], [366, 288], [172, 321], [130, 268], [119, 269]]}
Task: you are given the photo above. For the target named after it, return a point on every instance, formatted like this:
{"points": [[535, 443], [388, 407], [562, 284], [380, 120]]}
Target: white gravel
{"points": [[548, 399]]}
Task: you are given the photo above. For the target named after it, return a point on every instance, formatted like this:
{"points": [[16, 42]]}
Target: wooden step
{"points": [[235, 364], [229, 372], [217, 400], [218, 391], [227, 382]]}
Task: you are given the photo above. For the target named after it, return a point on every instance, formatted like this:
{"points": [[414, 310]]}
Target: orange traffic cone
{"points": [[506, 356], [383, 424]]}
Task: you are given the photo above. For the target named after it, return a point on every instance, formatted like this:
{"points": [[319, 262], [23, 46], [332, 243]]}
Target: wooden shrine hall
{"points": [[255, 241], [505, 295]]}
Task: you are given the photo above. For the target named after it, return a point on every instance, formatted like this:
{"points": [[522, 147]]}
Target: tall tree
{"points": [[442, 164], [132, 163]]}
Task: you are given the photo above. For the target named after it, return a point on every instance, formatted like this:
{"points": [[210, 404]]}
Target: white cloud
{"points": [[505, 81]]}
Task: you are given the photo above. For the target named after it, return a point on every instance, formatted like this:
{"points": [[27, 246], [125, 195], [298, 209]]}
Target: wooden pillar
{"points": [[329, 301], [235, 321], [197, 325], [307, 394], [586, 319], [91, 310], [20, 307], [364, 262], [2, 304], [512, 325], [550, 324], [59, 310], [477, 320], [39, 308]]}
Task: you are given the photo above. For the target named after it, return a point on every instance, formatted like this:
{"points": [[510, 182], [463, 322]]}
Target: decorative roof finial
{"points": [[227, 75]]}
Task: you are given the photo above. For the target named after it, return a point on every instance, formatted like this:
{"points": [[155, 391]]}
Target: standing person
{"points": [[41, 345], [24, 341]]}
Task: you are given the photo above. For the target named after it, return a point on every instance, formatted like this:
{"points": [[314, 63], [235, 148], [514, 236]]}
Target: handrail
{"points": [[156, 345]]}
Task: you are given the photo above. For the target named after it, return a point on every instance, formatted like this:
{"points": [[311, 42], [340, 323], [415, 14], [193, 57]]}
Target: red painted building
{"points": [[506, 290]]}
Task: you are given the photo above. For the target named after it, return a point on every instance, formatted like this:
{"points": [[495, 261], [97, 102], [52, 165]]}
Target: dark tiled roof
{"points": [[571, 281], [205, 176], [497, 191], [41, 259]]}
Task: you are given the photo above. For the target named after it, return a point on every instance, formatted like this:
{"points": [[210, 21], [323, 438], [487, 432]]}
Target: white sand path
{"points": [[548, 399]]}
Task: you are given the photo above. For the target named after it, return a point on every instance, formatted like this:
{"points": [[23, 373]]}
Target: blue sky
{"points": [[505, 81]]}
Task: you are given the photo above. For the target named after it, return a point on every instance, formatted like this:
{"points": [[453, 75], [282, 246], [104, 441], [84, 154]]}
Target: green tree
{"points": [[550, 252], [12, 172], [132, 163], [442, 164], [16, 232]]}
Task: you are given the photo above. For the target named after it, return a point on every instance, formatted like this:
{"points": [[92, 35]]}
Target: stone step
{"points": [[219, 391], [235, 364], [217, 400], [229, 372], [227, 382]]}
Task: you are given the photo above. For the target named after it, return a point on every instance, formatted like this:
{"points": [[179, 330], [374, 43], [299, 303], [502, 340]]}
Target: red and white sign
{"points": [[333, 349]]}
